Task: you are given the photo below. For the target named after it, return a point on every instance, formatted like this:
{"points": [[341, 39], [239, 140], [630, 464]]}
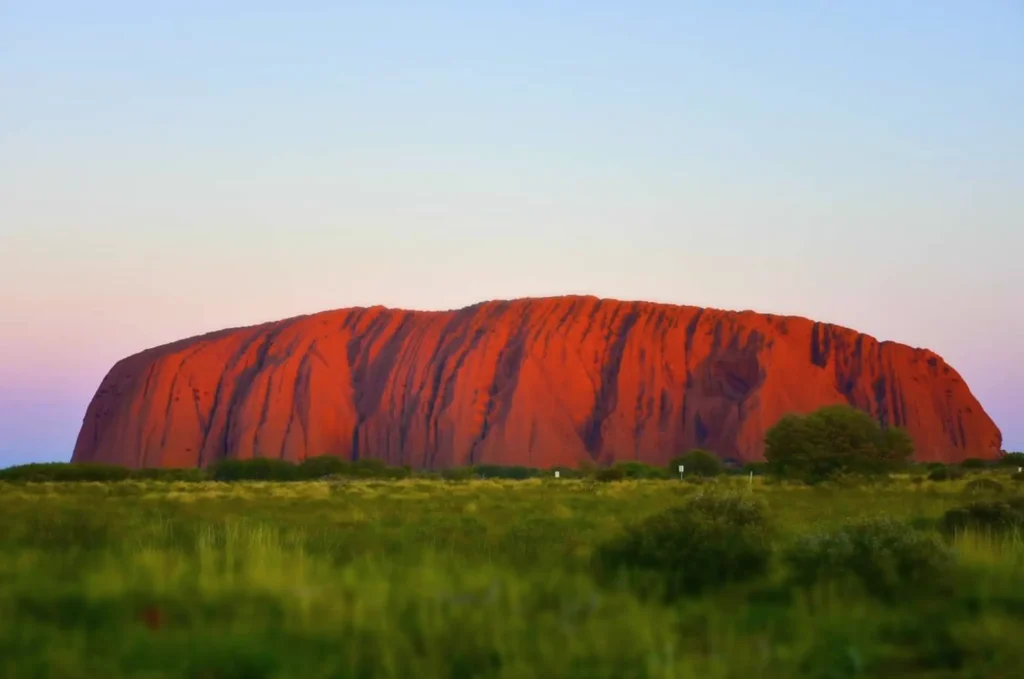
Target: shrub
{"points": [[255, 469], [1011, 460], [403, 471], [565, 472], [494, 471], [707, 542], [639, 470], [610, 474], [833, 440], [945, 474], [159, 474], [973, 463], [887, 558], [65, 471], [984, 486], [697, 463], [457, 473], [368, 468], [758, 468], [986, 516], [322, 466]]}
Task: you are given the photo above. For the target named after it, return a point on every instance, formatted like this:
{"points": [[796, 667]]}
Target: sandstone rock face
{"points": [[538, 382]]}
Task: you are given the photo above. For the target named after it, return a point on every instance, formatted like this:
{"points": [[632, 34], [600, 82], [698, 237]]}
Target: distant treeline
{"points": [[329, 466], [831, 442], [697, 463]]}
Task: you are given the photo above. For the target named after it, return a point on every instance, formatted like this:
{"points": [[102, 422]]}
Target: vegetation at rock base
{"points": [[835, 440], [1011, 460], [974, 463], [697, 462]]}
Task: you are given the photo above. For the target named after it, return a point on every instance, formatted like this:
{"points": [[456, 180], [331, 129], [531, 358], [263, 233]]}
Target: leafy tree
{"points": [[834, 440], [1011, 460], [698, 463]]}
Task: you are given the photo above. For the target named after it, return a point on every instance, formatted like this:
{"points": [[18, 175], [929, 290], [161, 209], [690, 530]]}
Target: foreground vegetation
{"points": [[725, 576]]}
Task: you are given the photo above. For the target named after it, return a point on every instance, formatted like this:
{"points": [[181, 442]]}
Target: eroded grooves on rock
{"points": [[534, 381]]}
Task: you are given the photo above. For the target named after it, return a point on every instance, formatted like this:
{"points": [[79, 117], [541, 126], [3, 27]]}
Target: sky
{"points": [[168, 169]]}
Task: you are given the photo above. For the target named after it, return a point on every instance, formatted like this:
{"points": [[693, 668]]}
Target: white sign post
{"points": [[681, 468], [556, 474]]}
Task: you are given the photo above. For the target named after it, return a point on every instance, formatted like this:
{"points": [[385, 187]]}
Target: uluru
{"points": [[537, 382]]}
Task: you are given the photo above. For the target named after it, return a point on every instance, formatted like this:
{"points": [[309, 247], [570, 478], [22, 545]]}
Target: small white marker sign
{"points": [[556, 474]]}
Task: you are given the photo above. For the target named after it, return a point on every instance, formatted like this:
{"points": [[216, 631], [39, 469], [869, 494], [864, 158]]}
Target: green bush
{"points": [[255, 469], [494, 471], [322, 466], [565, 473], [834, 440], [697, 462], [457, 473], [609, 474], [639, 470], [984, 486], [160, 474], [944, 473], [973, 463], [368, 468], [403, 471], [986, 516], [887, 558], [758, 468], [65, 471], [705, 543], [1011, 460]]}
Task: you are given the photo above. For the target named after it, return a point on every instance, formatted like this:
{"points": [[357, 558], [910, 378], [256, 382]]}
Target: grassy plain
{"points": [[427, 579]]}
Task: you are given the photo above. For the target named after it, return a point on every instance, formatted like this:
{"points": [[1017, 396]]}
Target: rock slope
{"points": [[538, 382]]}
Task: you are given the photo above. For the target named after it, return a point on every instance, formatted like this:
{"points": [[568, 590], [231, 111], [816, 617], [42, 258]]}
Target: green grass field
{"points": [[423, 578]]}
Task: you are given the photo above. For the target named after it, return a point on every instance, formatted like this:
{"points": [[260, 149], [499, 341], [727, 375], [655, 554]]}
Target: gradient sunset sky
{"points": [[172, 168]]}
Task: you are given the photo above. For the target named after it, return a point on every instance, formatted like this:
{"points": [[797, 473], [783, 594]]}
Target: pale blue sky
{"points": [[171, 168]]}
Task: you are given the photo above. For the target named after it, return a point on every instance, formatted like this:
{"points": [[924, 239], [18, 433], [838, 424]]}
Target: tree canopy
{"points": [[834, 440]]}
